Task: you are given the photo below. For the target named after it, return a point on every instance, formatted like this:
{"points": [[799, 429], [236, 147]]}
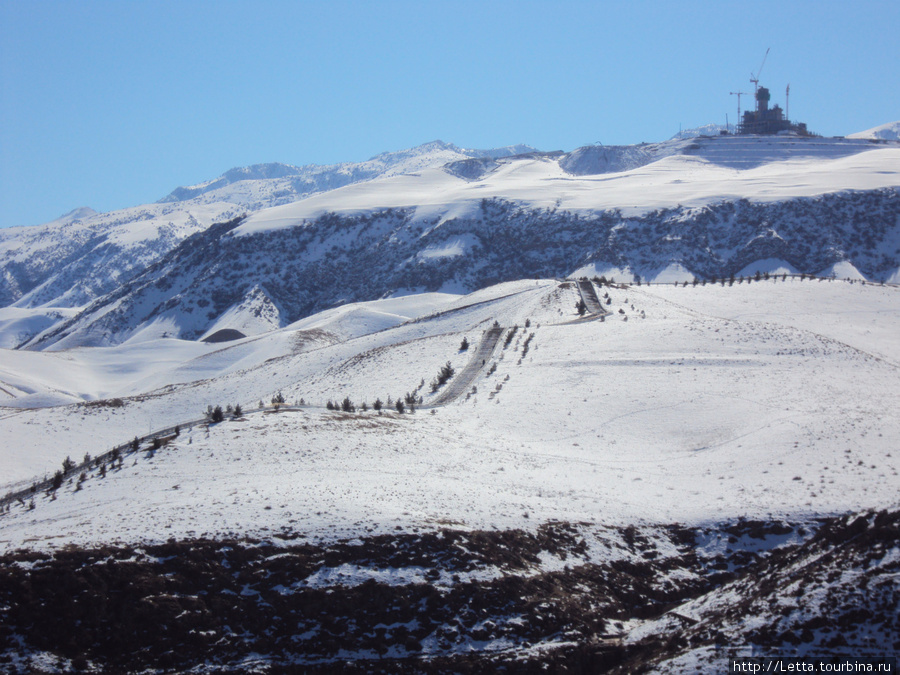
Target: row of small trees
{"points": [[218, 415], [730, 280], [400, 405]]}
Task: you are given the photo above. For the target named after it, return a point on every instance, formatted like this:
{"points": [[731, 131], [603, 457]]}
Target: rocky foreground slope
{"points": [[565, 597]]}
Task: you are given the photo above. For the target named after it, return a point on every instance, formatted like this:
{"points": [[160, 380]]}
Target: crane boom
{"points": [[755, 78]]}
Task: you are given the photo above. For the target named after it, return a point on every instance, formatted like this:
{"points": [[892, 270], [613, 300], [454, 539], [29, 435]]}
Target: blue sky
{"points": [[114, 104]]}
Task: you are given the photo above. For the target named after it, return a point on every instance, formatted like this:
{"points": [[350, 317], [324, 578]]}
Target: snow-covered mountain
{"points": [[560, 475], [84, 254], [884, 132], [264, 185], [705, 208]]}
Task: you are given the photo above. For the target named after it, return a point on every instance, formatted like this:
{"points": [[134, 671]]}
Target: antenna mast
{"points": [[787, 102]]}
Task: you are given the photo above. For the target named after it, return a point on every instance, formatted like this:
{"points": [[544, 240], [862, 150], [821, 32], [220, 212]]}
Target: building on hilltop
{"points": [[766, 120]]}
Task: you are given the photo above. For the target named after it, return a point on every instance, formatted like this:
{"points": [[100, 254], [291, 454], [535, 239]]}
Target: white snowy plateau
{"points": [[677, 402]]}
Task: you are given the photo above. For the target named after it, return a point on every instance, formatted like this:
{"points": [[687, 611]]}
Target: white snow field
{"points": [[693, 172], [691, 404]]}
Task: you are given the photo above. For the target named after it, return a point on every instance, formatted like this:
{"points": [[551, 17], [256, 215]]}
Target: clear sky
{"points": [[114, 104]]}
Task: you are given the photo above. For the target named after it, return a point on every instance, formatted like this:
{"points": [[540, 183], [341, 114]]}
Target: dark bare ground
{"points": [[471, 602]]}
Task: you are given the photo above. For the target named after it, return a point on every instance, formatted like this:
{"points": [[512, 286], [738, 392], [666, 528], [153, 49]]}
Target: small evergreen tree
{"points": [[377, 405], [347, 405], [218, 414], [400, 407], [445, 373], [464, 345], [580, 307], [238, 412]]}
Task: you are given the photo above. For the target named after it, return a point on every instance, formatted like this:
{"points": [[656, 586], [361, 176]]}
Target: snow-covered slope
{"points": [[437, 224], [710, 129], [690, 173], [884, 132], [768, 398], [674, 459], [309, 265], [264, 185], [83, 255]]}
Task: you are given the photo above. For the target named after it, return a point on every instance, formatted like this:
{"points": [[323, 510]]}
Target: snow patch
{"points": [[768, 265]]}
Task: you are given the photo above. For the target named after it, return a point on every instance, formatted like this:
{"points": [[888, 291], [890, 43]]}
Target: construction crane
{"points": [[755, 78], [739, 94]]}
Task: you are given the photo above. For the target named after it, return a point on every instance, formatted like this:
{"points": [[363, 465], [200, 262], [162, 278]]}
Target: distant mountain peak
{"points": [[300, 182], [78, 214], [885, 132]]}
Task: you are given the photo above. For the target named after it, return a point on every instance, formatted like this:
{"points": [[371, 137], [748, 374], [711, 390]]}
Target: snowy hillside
{"points": [[711, 385], [307, 266], [83, 255], [710, 129], [884, 132], [595, 481], [264, 185], [70, 262]]}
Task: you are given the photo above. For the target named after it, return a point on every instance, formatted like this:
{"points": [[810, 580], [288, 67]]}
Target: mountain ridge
{"points": [[343, 173], [441, 189], [397, 251]]}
